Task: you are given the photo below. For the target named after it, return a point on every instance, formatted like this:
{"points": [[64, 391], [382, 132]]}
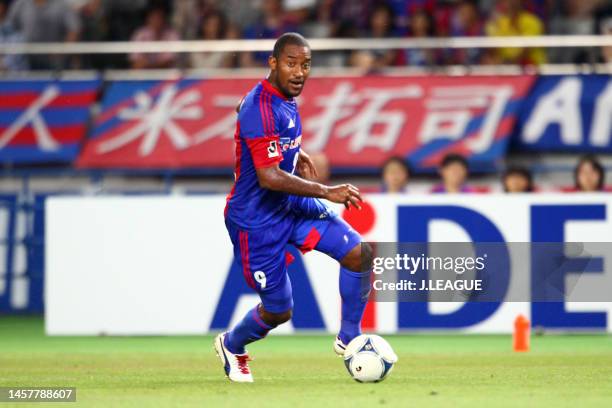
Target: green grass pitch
{"points": [[296, 371]]}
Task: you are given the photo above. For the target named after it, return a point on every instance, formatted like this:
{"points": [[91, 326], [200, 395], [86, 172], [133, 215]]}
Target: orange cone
{"points": [[521, 334]]}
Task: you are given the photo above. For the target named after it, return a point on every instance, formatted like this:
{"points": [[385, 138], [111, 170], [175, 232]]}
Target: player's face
{"points": [[291, 69]]}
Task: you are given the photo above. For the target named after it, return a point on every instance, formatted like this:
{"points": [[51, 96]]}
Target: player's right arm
{"points": [[274, 178]]}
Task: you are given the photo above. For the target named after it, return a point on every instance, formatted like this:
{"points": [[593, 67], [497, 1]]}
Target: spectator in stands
{"points": [[240, 13], [187, 16], [466, 22], [94, 15], [233, 33], [381, 26], [400, 10], [9, 36], [214, 27], [322, 23], [589, 175], [327, 23], [572, 17], [297, 13], [319, 23], [156, 28], [517, 180], [271, 24], [44, 21], [420, 26], [512, 19], [355, 13], [454, 173], [125, 17], [395, 175]]}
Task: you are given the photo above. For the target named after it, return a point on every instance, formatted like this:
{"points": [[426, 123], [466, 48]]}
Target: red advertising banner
{"points": [[357, 122]]}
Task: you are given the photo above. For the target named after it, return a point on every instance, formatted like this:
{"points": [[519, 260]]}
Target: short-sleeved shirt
{"points": [[50, 21], [146, 34], [268, 132], [526, 24]]}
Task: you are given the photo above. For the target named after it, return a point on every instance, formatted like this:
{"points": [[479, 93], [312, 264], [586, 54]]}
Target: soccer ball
{"points": [[369, 358]]}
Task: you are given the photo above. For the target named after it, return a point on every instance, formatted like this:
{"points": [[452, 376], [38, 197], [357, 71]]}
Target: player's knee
{"points": [[367, 257], [359, 259], [276, 319]]}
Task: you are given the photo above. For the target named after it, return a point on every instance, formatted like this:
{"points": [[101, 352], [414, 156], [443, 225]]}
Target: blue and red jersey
{"points": [[268, 132]]}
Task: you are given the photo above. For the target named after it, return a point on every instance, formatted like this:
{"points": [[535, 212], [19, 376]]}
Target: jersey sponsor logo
{"points": [[273, 149], [293, 144]]}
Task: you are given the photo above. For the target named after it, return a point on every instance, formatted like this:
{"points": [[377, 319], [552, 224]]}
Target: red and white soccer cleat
{"points": [[339, 347], [236, 366]]}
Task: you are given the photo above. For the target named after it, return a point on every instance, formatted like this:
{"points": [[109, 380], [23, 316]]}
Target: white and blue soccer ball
{"points": [[369, 358]]}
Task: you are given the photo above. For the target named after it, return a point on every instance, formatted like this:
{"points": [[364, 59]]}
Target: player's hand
{"points": [[306, 167], [346, 194]]}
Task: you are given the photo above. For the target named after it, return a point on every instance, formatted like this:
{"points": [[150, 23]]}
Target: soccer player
{"points": [[270, 207]]}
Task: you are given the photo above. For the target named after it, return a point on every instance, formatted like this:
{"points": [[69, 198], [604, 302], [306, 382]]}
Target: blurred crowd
{"points": [[159, 20], [453, 172], [453, 175]]}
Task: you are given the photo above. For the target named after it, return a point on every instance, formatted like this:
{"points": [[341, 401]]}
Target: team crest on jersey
{"points": [[273, 149]]}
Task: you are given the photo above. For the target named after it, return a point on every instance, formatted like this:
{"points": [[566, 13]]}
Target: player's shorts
{"points": [[262, 252]]}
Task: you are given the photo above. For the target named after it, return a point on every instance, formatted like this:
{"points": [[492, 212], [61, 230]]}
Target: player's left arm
{"points": [[305, 166]]}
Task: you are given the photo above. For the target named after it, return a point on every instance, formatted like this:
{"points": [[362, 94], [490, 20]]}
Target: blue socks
{"points": [[251, 328], [354, 291]]}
